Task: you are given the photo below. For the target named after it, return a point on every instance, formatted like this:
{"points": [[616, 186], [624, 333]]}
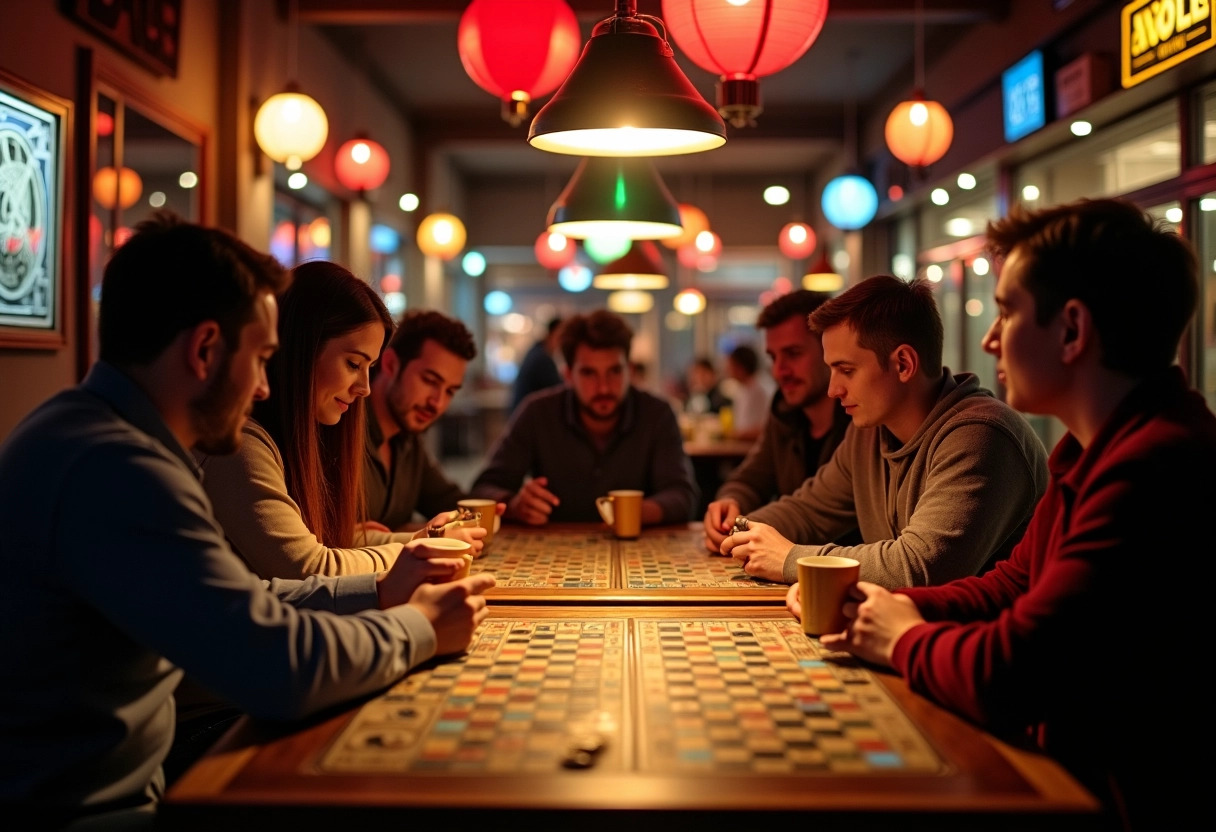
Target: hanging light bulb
{"points": [[639, 268], [631, 301], [821, 277], [849, 202], [441, 235], [361, 164], [553, 250], [621, 197], [291, 127], [796, 240], [689, 301], [919, 131]]}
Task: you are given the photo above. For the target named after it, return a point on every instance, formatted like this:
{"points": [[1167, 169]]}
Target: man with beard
{"points": [[805, 424], [419, 373], [597, 433], [116, 573]]}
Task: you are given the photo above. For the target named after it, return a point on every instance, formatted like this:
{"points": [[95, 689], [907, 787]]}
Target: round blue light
{"points": [[497, 303], [474, 264], [383, 240], [574, 278], [849, 202]]}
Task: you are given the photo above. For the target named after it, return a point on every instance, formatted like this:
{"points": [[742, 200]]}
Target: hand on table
{"points": [[454, 610], [417, 564], [534, 502], [877, 619], [761, 550], [719, 518]]}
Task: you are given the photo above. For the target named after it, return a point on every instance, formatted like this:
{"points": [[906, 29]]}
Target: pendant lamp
{"points": [[741, 42], [626, 96], [640, 268], [849, 201], [553, 251], [689, 301], [615, 196], [821, 277], [291, 127], [116, 187], [629, 301], [796, 240], [441, 235], [361, 164], [919, 131], [518, 51]]}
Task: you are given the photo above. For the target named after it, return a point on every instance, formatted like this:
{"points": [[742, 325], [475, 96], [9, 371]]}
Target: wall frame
{"points": [[34, 177]]}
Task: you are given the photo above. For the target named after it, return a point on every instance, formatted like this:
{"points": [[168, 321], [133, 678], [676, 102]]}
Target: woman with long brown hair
{"points": [[291, 499]]}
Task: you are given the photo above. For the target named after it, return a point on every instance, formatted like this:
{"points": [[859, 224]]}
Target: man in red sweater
{"points": [[1089, 640]]}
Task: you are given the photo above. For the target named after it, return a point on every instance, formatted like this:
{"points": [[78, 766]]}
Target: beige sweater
{"points": [[263, 523]]}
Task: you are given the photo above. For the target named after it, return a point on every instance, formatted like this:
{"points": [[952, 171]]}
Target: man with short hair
{"points": [[805, 424], [1110, 575], [597, 433], [936, 475], [419, 373], [116, 572]]}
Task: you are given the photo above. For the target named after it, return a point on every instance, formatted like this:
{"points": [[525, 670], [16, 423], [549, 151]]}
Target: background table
{"points": [[711, 718], [712, 461]]}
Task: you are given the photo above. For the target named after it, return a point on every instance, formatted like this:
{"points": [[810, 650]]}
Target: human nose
{"points": [[261, 391], [991, 340], [362, 385], [835, 388]]}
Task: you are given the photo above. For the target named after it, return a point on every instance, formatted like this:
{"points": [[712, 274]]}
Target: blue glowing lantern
{"points": [[497, 303], [383, 240], [849, 202], [474, 264], [574, 278]]}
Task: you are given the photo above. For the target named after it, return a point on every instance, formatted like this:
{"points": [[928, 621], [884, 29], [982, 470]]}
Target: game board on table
{"points": [[678, 559], [747, 697], [549, 559]]}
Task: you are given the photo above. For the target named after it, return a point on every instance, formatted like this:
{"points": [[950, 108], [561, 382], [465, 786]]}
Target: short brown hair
{"points": [[601, 330], [417, 326], [800, 303], [885, 312]]}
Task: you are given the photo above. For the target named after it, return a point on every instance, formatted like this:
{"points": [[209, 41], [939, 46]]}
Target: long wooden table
{"points": [[617, 712]]}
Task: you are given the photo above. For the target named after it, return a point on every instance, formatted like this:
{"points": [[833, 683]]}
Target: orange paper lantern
{"points": [[120, 187], [797, 240], [361, 164], [553, 250], [919, 132], [441, 235]]}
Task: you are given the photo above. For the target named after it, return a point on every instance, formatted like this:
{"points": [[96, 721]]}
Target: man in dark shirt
{"points": [[596, 434], [419, 372], [538, 370]]}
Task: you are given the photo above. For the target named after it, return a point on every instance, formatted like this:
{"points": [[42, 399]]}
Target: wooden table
{"points": [[705, 717]]}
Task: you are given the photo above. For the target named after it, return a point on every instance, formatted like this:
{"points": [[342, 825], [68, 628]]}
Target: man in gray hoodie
{"points": [[937, 476]]}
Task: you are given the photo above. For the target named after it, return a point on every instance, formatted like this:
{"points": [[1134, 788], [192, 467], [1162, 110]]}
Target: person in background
{"points": [[116, 573], [804, 426], [290, 499], [750, 396], [420, 372], [538, 370], [704, 390], [936, 475], [1040, 648], [596, 433]]}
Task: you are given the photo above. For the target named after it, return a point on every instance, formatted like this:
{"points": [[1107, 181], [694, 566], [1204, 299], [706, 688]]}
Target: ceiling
{"points": [[407, 48]]}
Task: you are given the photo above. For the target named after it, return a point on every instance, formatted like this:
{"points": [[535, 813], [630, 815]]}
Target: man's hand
{"points": [[534, 503], [473, 535], [719, 518], [877, 619], [417, 564], [454, 610], [761, 550]]}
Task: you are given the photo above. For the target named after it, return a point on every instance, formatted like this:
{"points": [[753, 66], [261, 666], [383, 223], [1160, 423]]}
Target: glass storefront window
{"points": [[1139, 151], [958, 213], [301, 231], [1205, 359], [1207, 97]]}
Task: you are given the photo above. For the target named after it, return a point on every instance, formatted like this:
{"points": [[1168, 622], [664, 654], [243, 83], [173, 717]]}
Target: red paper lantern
{"points": [[742, 43], [919, 132], [361, 164], [518, 51], [553, 250], [797, 240]]}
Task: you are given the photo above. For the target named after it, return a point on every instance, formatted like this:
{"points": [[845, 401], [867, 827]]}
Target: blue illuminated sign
{"points": [[1024, 95]]}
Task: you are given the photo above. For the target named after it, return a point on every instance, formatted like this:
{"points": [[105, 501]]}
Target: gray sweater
{"points": [[946, 504]]}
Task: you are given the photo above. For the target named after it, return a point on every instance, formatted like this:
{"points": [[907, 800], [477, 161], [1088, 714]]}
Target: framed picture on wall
{"points": [[33, 129]]}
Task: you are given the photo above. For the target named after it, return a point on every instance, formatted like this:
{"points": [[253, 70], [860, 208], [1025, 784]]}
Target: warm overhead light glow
{"points": [[939, 196], [290, 127], [553, 250], [1173, 214], [188, 179], [630, 302], [1207, 204], [120, 187], [918, 131], [741, 42], [959, 227], [707, 242], [981, 266], [1030, 193], [1081, 128], [626, 96], [776, 195], [619, 196], [321, 234], [394, 302], [821, 277], [796, 240], [692, 221], [974, 307], [361, 164], [641, 267], [933, 273], [156, 199], [297, 180], [408, 203], [518, 51], [902, 265], [966, 181], [677, 321], [441, 235]]}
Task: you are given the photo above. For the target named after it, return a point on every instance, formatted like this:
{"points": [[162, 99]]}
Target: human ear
{"points": [[906, 362], [204, 349], [1077, 332], [390, 363]]}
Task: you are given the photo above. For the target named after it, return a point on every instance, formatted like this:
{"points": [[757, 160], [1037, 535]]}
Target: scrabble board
{"points": [[744, 697], [587, 564]]}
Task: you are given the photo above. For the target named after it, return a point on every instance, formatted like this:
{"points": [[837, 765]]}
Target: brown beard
{"points": [[216, 414]]}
